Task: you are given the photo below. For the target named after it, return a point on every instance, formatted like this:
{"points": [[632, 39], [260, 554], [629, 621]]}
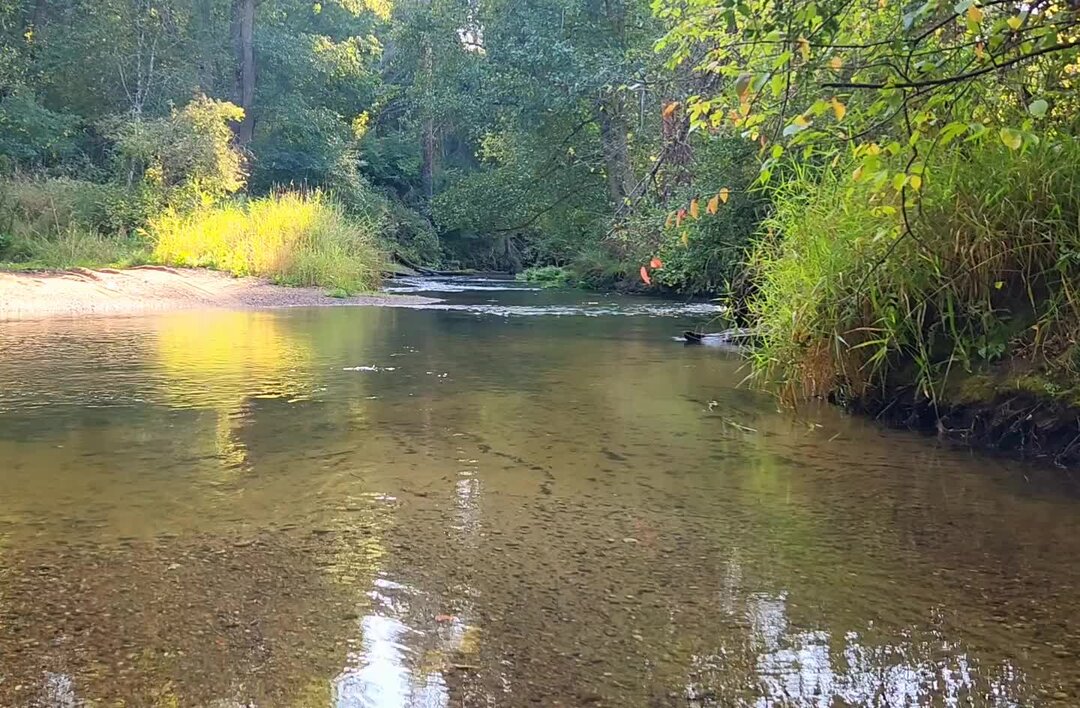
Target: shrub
{"points": [[52, 207], [850, 305], [291, 238], [189, 155], [547, 276]]}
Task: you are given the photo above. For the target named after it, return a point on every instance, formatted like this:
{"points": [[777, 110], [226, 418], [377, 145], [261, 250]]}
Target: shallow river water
{"points": [[514, 498]]}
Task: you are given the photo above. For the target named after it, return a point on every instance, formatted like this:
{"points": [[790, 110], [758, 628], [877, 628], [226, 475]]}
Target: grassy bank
{"points": [[977, 305], [290, 238]]}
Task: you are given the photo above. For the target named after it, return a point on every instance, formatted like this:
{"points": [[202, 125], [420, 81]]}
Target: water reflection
{"points": [[440, 507]]}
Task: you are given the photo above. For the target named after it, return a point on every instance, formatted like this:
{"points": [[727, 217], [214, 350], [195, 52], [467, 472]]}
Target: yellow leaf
{"points": [[881, 4], [670, 109], [801, 121], [1015, 22], [804, 48], [915, 181], [836, 63], [724, 195], [685, 238], [839, 109], [694, 211], [714, 204], [974, 13], [1013, 139], [979, 51], [857, 174]]}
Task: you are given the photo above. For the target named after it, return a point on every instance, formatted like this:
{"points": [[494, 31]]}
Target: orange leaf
{"points": [[714, 205], [670, 220], [670, 109], [656, 263], [694, 211], [679, 216], [645, 276], [724, 195]]}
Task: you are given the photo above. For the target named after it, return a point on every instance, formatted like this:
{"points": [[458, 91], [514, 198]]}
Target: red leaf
{"points": [[656, 263], [645, 276], [445, 618]]}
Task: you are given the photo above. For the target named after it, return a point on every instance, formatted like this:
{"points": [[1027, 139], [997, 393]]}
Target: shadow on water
{"points": [[463, 505]]}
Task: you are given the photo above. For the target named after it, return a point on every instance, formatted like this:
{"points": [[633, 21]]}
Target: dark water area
{"points": [[517, 497]]}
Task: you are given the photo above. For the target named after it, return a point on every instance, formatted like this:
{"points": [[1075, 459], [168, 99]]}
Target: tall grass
{"points": [[290, 238], [66, 223], [989, 274]]}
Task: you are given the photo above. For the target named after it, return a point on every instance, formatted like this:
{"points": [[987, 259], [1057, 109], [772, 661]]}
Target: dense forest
{"points": [[885, 191]]}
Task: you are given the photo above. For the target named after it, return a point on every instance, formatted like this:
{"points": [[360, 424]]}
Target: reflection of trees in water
{"points": [[783, 665]]}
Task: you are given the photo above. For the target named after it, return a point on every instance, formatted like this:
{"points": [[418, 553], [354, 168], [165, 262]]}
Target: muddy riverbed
{"points": [[511, 498]]}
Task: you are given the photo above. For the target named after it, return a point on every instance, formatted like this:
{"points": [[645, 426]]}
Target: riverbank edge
{"points": [[108, 292], [1019, 425]]}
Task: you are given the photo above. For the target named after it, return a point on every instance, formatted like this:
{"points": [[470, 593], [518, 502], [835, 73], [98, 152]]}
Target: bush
{"points": [[290, 238], [850, 306], [32, 135], [71, 248], [547, 276], [50, 207], [188, 156]]}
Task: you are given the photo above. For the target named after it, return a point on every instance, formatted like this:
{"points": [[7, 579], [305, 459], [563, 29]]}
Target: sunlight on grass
{"points": [[290, 238]]}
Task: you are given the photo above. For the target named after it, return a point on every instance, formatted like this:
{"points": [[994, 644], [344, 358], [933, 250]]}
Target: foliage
{"points": [[291, 238], [70, 248], [848, 306], [32, 135], [547, 276], [45, 207], [189, 153]]}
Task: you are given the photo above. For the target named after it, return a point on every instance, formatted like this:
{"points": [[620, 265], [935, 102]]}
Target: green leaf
{"points": [[1038, 108], [1013, 139]]}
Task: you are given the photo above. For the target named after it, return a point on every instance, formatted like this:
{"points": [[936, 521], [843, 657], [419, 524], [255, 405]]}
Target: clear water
{"points": [[518, 497]]}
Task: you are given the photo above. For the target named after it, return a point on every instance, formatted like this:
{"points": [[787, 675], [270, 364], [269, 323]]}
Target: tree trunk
{"points": [[427, 172], [613, 136], [677, 153], [243, 35]]}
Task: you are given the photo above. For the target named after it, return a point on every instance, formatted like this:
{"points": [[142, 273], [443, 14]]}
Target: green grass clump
{"points": [[850, 306], [60, 223], [290, 238], [546, 276]]}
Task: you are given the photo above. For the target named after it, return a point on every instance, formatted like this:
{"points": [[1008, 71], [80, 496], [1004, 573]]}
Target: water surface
{"points": [[517, 497]]}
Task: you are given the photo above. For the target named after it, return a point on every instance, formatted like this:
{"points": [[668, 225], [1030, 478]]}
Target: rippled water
{"points": [[497, 501]]}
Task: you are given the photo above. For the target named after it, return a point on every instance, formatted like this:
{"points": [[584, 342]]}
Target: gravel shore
{"points": [[107, 292]]}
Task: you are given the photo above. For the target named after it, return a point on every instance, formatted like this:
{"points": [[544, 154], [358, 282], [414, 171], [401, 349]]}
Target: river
{"points": [[518, 497]]}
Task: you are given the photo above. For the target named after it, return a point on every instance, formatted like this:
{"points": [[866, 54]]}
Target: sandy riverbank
{"points": [[83, 293]]}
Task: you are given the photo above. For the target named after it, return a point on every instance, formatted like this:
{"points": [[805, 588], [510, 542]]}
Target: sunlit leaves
{"points": [[1012, 139], [797, 125], [839, 109]]}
